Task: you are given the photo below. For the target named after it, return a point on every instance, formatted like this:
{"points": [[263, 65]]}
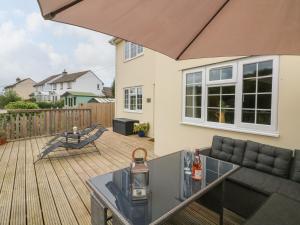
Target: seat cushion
{"points": [[267, 158], [278, 209], [266, 183], [228, 149], [295, 170]]}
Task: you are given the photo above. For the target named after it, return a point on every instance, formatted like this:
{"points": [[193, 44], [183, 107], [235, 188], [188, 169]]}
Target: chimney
{"points": [[18, 79], [64, 72]]}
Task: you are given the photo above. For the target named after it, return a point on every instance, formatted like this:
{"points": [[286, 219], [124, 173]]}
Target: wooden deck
{"points": [[54, 191]]}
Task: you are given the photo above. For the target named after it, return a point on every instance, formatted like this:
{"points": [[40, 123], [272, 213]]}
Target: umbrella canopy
{"points": [[189, 29]]}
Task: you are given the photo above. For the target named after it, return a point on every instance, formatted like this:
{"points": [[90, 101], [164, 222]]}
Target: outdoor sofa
{"points": [[266, 188]]}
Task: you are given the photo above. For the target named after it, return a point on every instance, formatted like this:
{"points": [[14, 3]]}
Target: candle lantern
{"points": [[139, 176]]}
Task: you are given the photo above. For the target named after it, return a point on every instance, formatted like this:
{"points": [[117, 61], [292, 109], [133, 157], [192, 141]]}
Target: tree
{"points": [[9, 96], [113, 89]]}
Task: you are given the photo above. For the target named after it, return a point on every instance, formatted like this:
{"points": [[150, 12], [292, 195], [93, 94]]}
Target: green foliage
{"points": [[113, 89], [21, 105], [9, 96], [141, 127], [51, 105]]}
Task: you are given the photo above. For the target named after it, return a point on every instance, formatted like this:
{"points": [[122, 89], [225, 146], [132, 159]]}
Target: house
{"points": [[188, 102], [51, 88], [23, 88], [43, 89], [107, 92], [73, 99]]}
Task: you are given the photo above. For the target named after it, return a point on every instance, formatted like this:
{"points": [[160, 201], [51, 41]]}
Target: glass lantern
{"points": [[139, 176]]}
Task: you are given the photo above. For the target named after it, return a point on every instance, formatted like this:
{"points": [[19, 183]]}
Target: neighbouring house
{"points": [[107, 92], [23, 87], [188, 102], [73, 99], [43, 89], [54, 86]]}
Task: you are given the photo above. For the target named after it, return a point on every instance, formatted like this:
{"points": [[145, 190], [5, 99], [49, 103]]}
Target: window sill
{"points": [[239, 130], [137, 56], [133, 111]]}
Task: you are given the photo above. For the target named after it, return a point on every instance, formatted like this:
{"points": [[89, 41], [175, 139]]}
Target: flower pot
{"points": [[3, 141], [141, 134]]}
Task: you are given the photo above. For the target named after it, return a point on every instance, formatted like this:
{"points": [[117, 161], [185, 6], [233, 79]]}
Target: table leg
{"points": [[221, 213], [98, 212]]}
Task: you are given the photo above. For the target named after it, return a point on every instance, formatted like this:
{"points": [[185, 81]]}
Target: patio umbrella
{"points": [[191, 28]]}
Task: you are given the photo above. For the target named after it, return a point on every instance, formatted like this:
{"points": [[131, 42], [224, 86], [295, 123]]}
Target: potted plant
{"points": [[141, 129], [3, 139]]}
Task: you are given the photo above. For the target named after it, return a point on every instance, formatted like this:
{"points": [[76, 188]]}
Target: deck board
{"points": [[54, 191]]}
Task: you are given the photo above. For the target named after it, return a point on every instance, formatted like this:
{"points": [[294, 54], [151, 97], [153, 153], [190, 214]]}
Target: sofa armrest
{"points": [[205, 151]]}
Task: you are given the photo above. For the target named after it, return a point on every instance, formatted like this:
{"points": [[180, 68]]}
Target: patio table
{"points": [[171, 189]]}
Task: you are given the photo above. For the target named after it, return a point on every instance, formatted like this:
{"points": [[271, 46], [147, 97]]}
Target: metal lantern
{"points": [[139, 176]]}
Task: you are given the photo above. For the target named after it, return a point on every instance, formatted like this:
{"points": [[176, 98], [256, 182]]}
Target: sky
{"points": [[35, 48]]}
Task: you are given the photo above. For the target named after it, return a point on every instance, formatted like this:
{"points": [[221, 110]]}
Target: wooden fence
{"points": [[102, 113], [30, 123]]}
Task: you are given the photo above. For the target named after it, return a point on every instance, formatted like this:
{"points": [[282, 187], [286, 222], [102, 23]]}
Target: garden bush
{"points": [[21, 105]]}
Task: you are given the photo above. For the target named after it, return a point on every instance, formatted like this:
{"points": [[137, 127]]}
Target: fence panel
{"points": [[29, 123]]}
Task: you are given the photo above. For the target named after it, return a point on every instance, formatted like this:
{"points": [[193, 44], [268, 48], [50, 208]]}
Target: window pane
{"points": [[126, 50], [249, 86], [189, 90], [189, 100], [264, 101], [213, 101], [249, 101], [226, 73], [198, 77], [140, 49], [214, 90], [265, 84], [214, 74], [188, 112], [197, 112], [189, 78], [248, 116], [133, 102], [249, 70], [265, 68], [228, 101], [227, 116], [213, 115], [139, 91], [264, 117], [197, 101], [228, 90], [133, 50], [198, 90]]}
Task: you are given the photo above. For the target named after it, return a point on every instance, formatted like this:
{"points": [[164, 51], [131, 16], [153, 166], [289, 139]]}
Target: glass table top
{"points": [[170, 185]]}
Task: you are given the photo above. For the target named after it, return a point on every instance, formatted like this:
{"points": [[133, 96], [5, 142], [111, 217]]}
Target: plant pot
{"points": [[141, 134], [3, 141]]}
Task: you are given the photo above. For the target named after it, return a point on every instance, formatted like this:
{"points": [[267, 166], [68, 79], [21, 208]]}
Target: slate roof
{"points": [[69, 77], [14, 84], [46, 80]]}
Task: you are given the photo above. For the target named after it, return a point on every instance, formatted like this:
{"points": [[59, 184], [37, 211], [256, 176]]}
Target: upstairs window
{"points": [[54, 86], [61, 86], [133, 99], [69, 85], [132, 50]]}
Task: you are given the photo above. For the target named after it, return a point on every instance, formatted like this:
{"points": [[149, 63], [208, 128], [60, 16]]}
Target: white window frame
{"points": [[129, 103], [69, 85], [237, 80], [129, 51]]}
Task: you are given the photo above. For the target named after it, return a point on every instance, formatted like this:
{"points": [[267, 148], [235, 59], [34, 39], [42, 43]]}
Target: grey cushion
{"points": [[267, 158], [266, 183], [295, 170], [228, 149], [277, 210]]}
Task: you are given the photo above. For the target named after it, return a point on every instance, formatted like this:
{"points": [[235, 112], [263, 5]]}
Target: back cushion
{"points": [[295, 170], [228, 149], [267, 158]]}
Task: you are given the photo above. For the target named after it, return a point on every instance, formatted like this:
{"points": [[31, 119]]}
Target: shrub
{"points": [[50, 105], [9, 96], [21, 105], [141, 127]]}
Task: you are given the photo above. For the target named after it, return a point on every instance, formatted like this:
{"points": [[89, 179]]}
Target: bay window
{"points": [[133, 99], [240, 95]]}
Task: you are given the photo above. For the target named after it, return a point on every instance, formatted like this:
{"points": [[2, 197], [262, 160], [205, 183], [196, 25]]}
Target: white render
{"points": [[43, 93]]}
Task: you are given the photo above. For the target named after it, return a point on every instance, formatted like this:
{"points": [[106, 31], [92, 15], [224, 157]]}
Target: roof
{"points": [[69, 77], [107, 91], [13, 85], [77, 93], [102, 100], [46, 80]]}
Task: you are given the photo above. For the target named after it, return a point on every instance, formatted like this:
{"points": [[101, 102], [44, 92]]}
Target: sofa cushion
{"points": [[267, 158], [295, 170], [228, 149], [266, 183]]}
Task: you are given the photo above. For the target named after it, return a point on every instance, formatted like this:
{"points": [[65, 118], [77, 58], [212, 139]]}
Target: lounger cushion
{"points": [[295, 170], [266, 183], [228, 149], [267, 158]]}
